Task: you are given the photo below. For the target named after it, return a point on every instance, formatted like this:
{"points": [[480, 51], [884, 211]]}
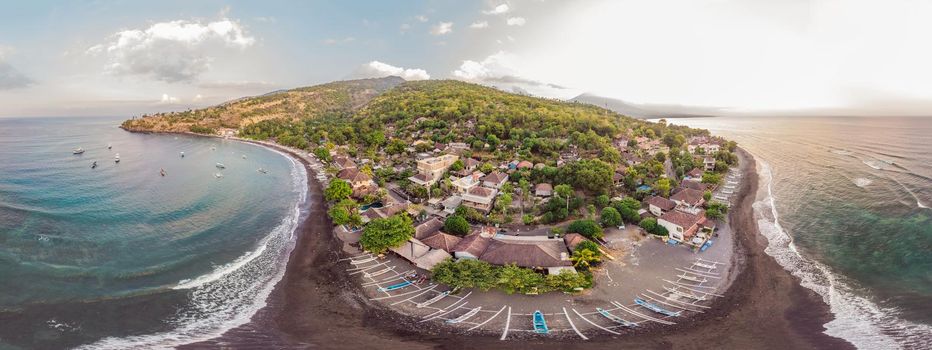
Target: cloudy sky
{"points": [[741, 56]]}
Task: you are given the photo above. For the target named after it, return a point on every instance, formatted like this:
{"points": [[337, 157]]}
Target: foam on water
{"points": [[230, 295], [857, 319], [862, 182]]}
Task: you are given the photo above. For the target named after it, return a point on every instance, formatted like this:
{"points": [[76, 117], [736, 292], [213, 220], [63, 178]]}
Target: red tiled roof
{"points": [[572, 240], [688, 195], [442, 241], [481, 191], [660, 202], [427, 228], [682, 219], [495, 177]]}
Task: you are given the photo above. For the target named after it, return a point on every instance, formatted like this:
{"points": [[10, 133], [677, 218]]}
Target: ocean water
{"points": [[844, 203], [122, 257]]}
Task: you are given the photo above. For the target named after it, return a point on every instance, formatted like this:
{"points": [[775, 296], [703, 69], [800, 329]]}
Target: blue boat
{"points": [[395, 286], [540, 324], [656, 308], [616, 319], [706, 245]]}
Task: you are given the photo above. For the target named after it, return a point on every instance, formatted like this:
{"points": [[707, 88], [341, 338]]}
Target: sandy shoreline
{"points": [[317, 306]]}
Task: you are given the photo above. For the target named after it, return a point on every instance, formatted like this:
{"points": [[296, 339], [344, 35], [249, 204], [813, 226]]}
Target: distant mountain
{"points": [[646, 111]]}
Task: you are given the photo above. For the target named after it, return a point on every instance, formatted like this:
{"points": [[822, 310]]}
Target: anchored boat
{"points": [[221, 166], [116, 158], [78, 150]]}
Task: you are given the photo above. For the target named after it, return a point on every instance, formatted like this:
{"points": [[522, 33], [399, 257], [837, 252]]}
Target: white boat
{"points": [[78, 150], [262, 171], [182, 154], [109, 146], [221, 166], [244, 156], [116, 158], [218, 175], [212, 148]]}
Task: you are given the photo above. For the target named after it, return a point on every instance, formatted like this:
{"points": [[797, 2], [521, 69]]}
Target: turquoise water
{"points": [[192, 253], [852, 218]]}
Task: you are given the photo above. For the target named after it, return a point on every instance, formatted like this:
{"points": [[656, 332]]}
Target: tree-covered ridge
{"points": [[338, 99]]}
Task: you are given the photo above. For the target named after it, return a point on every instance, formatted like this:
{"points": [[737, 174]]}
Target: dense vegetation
{"points": [[470, 273]]}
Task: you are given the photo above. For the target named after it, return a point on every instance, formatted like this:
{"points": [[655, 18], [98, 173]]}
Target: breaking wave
{"points": [[856, 319], [228, 296]]}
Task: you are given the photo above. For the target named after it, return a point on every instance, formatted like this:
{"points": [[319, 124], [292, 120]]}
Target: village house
{"points": [[451, 203], [420, 254], [525, 165], [427, 228], [572, 240], [693, 184], [443, 241], [543, 190], [681, 225], [343, 162], [708, 163], [658, 205], [470, 164], [495, 180], [361, 182], [432, 168], [480, 198], [466, 183], [694, 174], [688, 197]]}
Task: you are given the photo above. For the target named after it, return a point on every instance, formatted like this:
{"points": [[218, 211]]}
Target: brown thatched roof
{"points": [[473, 244], [442, 241], [548, 253], [660, 202], [572, 240], [427, 228]]}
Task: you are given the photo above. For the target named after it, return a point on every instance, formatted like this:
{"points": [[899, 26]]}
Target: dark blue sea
{"points": [[845, 204], [119, 256]]}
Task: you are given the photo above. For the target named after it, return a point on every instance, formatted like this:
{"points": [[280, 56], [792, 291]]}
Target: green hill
{"points": [[339, 98]]}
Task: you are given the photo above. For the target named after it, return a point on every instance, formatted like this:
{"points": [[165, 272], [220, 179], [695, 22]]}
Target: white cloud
{"points": [[332, 41], [172, 51], [502, 70], [441, 28], [421, 18], [376, 69], [198, 98], [498, 10], [479, 25], [169, 99], [516, 21]]}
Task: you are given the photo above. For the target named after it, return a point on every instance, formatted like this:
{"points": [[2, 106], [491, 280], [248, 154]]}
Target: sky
{"points": [[847, 57]]}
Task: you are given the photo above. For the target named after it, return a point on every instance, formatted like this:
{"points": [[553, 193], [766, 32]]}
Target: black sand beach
{"points": [[317, 306]]}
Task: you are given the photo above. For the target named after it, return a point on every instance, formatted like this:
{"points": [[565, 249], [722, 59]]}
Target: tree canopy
{"points": [[382, 234]]}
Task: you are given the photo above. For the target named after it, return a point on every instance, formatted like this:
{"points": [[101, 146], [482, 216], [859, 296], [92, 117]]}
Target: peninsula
{"points": [[454, 208]]}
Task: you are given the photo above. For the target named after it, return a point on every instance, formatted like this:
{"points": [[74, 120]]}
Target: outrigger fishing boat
{"points": [[182, 154], [78, 150], [162, 172], [655, 308], [116, 158], [435, 299], [395, 286], [221, 166], [262, 171], [540, 324], [616, 319], [691, 278], [109, 146], [94, 165], [465, 316], [218, 175]]}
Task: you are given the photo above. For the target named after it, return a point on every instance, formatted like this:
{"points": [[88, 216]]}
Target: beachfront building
{"points": [[688, 197], [343, 162], [420, 254], [361, 182], [495, 180], [694, 184], [658, 205], [480, 198], [473, 245], [427, 228], [443, 241], [535, 252], [681, 225]]}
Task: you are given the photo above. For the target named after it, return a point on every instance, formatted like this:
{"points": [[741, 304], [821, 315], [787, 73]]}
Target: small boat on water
{"points": [[109, 146], [262, 171], [116, 159], [94, 165], [218, 175], [540, 324], [221, 166], [244, 156], [212, 148], [162, 172], [182, 154], [78, 150]]}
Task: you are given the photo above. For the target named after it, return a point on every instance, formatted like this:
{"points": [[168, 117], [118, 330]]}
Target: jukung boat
{"points": [[94, 165], [435, 299], [616, 319], [78, 150], [395, 286], [465, 316], [116, 159], [540, 324], [221, 166], [655, 308]]}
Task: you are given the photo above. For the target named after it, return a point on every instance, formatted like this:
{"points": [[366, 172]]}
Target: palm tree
{"points": [[564, 191], [584, 258]]}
